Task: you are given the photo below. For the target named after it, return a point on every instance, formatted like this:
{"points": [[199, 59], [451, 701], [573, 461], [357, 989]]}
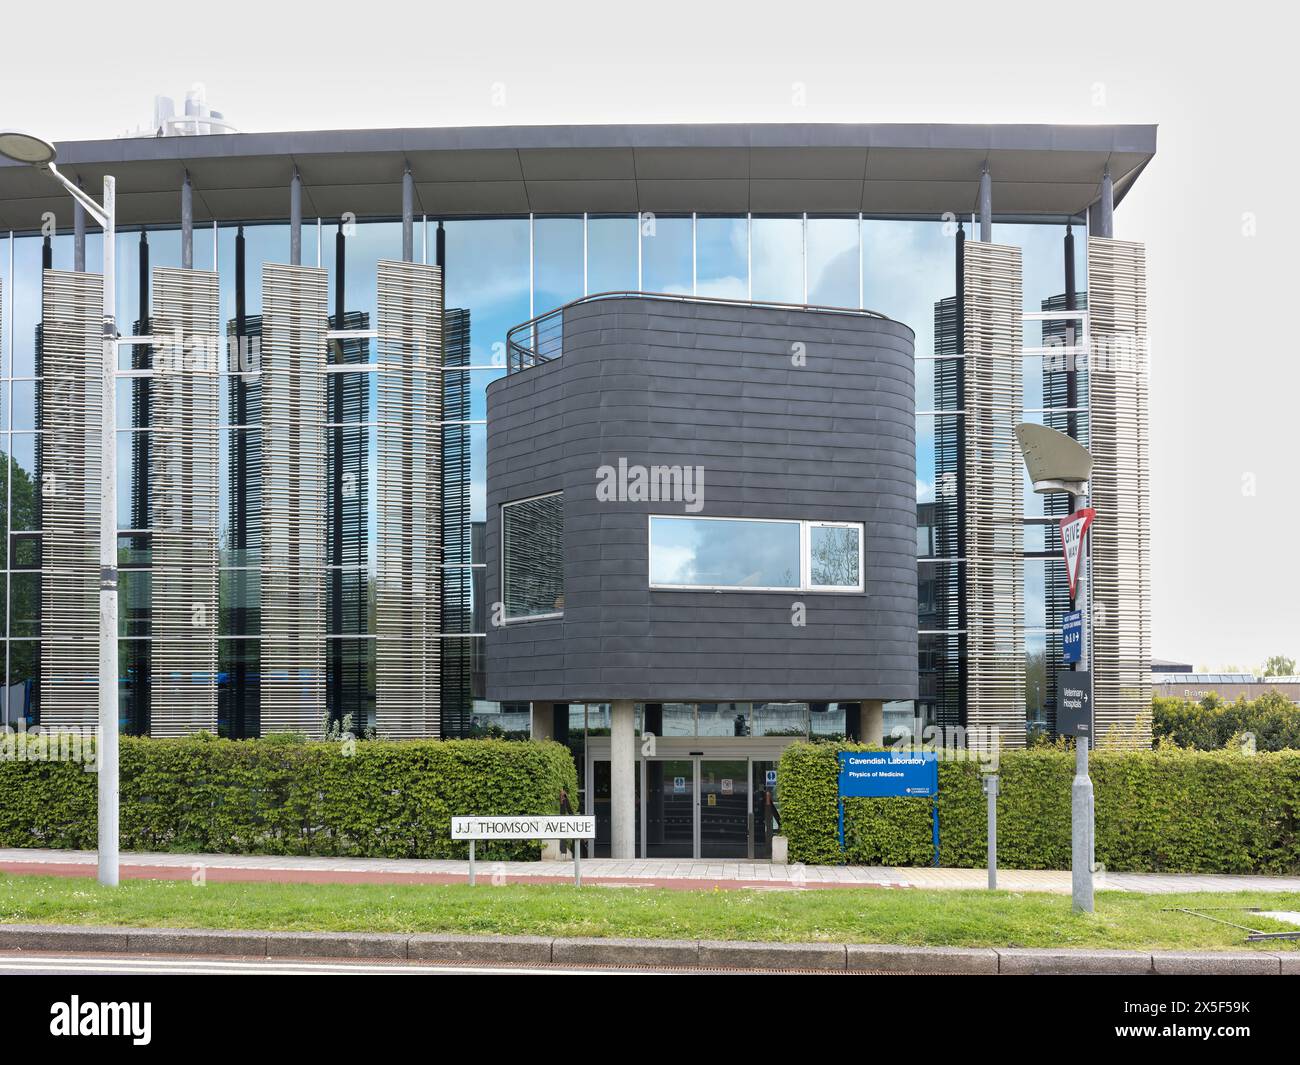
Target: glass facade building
{"points": [[500, 270]]}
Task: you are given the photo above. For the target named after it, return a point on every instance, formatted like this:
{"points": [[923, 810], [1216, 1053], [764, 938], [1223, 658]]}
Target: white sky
{"points": [[1226, 372]]}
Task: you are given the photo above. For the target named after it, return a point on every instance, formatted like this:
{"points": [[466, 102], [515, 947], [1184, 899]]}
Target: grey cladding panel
{"points": [[659, 383]]}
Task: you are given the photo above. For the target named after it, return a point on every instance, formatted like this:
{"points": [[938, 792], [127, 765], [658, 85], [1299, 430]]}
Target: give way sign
{"points": [[1073, 529]]}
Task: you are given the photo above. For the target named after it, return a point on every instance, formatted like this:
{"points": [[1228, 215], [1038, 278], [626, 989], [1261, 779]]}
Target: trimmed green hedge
{"points": [[272, 796], [1166, 810], [1212, 724]]}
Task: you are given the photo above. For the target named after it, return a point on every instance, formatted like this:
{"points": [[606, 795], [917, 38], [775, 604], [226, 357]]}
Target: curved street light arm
{"points": [[80, 195]]}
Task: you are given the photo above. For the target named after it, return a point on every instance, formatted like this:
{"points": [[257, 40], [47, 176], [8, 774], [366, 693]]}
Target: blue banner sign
{"points": [[1072, 636], [881, 774]]}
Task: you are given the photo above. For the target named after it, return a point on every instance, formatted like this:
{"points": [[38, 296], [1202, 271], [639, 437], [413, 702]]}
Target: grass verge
{"points": [[948, 918]]}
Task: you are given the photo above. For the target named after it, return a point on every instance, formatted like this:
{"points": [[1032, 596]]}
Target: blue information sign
{"points": [[889, 774], [881, 774], [1072, 636]]}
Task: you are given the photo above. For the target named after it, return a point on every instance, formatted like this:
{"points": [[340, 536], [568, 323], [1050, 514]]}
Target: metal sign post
{"points": [[1057, 462], [1081, 830], [1074, 708], [991, 790]]}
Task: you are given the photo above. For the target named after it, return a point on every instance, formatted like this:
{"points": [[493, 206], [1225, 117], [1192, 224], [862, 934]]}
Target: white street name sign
{"points": [[546, 827]]}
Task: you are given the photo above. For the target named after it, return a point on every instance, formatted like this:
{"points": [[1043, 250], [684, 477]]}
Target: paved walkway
{"points": [[685, 875]]}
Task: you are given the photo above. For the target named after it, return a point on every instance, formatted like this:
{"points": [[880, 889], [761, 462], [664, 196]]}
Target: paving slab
{"points": [[686, 875]]}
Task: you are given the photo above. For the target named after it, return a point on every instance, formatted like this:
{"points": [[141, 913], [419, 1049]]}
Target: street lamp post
{"points": [[1082, 822], [25, 148], [1059, 463]]}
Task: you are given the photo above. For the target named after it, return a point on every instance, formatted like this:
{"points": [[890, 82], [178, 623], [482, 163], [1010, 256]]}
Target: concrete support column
{"points": [[295, 219], [542, 717], [1103, 220], [78, 237], [408, 217], [986, 206], [622, 779], [873, 722], [187, 223]]}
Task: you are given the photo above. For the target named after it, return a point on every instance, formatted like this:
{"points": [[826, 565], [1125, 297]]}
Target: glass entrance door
{"points": [[693, 807], [764, 821], [670, 808], [724, 808]]}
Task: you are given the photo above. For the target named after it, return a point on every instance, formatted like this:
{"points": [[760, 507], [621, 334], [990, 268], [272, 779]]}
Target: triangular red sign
{"points": [[1073, 529]]}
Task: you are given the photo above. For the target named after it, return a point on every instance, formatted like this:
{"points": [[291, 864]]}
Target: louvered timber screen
{"points": [[1120, 491], [72, 356], [994, 508], [408, 606], [292, 386], [183, 494]]}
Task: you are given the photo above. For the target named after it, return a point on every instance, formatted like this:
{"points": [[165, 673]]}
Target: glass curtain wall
{"points": [[1056, 395], [909, 272], [488, 290], [499, 272]]}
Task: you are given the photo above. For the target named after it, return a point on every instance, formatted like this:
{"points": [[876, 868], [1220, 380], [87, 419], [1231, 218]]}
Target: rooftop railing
{"points": [[541, 339]]}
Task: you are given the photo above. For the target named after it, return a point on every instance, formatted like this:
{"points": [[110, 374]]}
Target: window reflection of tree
{"points": [[835, 557]]}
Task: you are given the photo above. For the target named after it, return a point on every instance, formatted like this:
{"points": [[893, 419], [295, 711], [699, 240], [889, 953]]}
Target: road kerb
{"points": [[642, 953]]}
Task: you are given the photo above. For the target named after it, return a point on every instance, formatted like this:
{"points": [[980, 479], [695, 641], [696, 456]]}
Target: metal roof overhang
{"points": [[884, 169]]}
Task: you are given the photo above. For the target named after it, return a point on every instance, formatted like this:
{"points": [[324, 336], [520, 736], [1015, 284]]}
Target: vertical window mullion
{"points": [[862, 290], [805, 555], [804, 246], [695, 254], [749, 255]]}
